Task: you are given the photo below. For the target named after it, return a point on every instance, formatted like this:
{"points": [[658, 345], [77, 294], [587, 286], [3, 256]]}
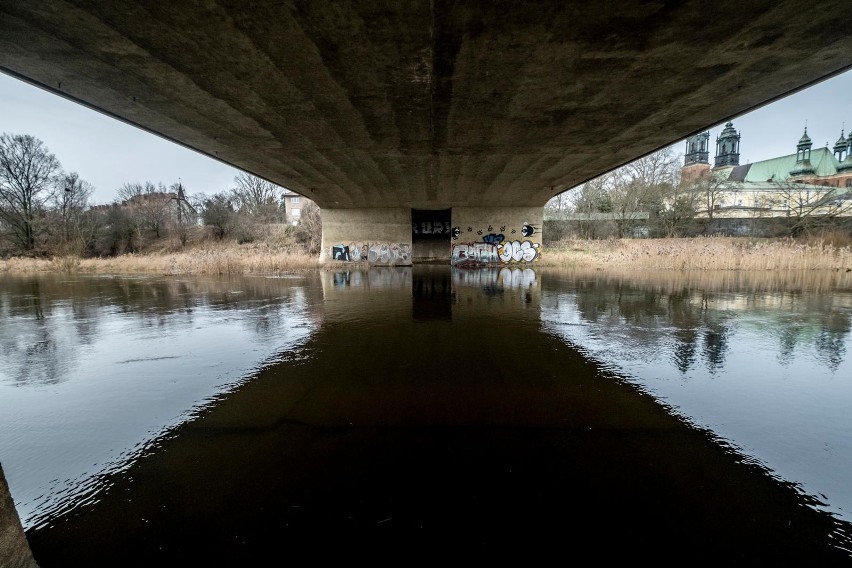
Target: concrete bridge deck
{"points": [[424, 104]]}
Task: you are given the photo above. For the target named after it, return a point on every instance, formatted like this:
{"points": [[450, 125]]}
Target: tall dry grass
{"points": [[212, 258], [671, 281], [706, 253]]}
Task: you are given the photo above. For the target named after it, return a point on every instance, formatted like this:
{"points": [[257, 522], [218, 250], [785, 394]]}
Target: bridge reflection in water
{"points": [[432, 410]]}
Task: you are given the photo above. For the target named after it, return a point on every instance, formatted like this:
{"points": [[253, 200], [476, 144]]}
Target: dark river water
{"points": [[394, 413]]}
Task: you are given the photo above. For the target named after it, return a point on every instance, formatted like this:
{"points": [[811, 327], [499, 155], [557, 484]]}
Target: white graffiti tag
{"points": [[389, 253], [357, 251], [516, 278], [474, 254], [517, 251]]}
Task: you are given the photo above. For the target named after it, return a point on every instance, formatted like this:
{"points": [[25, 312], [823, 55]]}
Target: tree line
{"points": [[46, 210], [676, 207]]}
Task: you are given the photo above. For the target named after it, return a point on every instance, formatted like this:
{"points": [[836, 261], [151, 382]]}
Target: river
{"points": [[221, 419]]}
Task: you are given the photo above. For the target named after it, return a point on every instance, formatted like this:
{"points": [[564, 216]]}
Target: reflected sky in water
{"points": [[769, 371], [96, 370], [93, 369]]}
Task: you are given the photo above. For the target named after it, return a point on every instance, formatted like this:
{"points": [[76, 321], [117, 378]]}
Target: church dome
{"points": [[728, 131]]}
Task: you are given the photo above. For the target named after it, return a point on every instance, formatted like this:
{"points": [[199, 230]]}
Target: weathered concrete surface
{"points": [[430, 251], [496, 235], [424, 103], [373, 236], [14, 549]]}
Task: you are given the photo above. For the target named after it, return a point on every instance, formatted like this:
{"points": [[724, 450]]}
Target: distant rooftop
{"points": [[778, 169]]}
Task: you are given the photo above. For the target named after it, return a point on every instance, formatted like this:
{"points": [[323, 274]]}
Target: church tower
{"points": [[840, 150], [803, 165], [728, 147], [696, 149], [696, 161], [845, 166]]}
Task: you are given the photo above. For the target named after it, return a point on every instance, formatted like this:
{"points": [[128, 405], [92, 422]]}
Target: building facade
{"points": [[294, 203], [816, 180]]}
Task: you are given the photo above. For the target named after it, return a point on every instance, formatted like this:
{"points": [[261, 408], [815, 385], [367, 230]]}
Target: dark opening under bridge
{"points": [[482, 110]]}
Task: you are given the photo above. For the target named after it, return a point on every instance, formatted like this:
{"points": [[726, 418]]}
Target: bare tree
{"points": [[558, 206], [117, 232], [257, 197], [660, 169], [218, 214], [309, 229], [28, 173], [592, 197], [809, 205], [679, 212], [185, 215], [643, 186], [149, 206], [709, 192], [629, 197], [69, 203]]}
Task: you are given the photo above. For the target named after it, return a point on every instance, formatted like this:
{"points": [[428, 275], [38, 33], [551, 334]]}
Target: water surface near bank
{"points": [[198, 418]]}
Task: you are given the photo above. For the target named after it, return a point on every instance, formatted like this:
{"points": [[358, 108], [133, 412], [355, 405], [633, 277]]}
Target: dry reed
{"points": [[707, 253], [670, 281], [212, 259]]}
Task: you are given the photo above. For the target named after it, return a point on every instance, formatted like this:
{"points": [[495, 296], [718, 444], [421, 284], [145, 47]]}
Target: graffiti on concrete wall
{"points": [[430, 228], [373, 253], [357, 252], [340, 252], [490, 245], [389, 253], [529, 230], [475, 254], [518, 251]]}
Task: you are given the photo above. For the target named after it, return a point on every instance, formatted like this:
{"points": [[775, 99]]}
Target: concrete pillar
{"points": [[488, 236], [367, 236], [14, 548]]}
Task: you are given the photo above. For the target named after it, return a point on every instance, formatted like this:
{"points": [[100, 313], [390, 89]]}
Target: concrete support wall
{"points": [[483, 236], [14, 549], [379, 236]]}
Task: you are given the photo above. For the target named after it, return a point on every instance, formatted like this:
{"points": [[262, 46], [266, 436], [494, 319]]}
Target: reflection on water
{"points": [[93, 369], [197, 419], [768, 371]]}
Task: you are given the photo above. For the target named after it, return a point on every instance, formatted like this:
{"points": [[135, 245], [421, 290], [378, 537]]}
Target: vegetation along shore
{"points": [[608, 255]]}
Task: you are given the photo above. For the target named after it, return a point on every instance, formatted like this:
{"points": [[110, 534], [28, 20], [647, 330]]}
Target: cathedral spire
{"points": [[697, 149], [728, 147], [841, 147], [803, 156]]}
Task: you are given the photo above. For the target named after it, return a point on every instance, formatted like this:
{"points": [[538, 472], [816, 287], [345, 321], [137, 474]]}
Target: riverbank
{"points": [[703, 253], [612, 255], [212, 258]]}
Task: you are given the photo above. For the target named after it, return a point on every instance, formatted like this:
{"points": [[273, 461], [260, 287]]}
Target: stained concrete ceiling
{"points": [[424, 103]]}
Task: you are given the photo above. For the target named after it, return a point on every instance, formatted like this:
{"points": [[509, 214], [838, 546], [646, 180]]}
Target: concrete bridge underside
{"points": [[373, 108]]}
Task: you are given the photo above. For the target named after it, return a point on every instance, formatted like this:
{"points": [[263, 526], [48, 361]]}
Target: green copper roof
{"points": [[823, 163]]}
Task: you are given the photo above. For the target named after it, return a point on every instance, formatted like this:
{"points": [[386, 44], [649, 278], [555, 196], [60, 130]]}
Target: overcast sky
{"points": [[109, 153]]}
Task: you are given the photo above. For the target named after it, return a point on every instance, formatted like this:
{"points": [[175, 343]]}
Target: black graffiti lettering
{"points": [[340, 252]]}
